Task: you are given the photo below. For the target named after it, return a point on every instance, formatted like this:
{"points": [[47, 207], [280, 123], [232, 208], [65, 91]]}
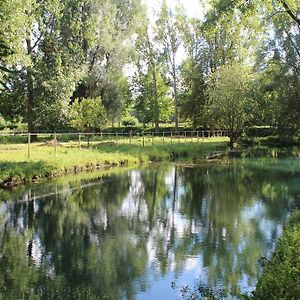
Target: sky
{"points": [[193, 8]]}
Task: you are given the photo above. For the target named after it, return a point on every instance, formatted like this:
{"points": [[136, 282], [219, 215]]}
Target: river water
{"points": [[147, 233]]}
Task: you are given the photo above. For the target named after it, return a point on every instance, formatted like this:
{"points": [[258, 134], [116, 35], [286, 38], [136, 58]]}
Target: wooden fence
{"points": [[86, 138]]}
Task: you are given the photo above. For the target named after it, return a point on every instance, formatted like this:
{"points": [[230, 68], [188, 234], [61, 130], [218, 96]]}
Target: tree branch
{"points": [[292, 42], [289, 12], [5, 86], [4, 69], [42, 34], [275, 13]]}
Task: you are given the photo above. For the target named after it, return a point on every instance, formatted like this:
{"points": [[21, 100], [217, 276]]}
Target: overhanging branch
{"points": [[289, 12]]}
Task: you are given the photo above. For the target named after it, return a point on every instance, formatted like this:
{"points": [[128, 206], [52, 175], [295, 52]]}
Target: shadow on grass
{"points": [[15, 172]]}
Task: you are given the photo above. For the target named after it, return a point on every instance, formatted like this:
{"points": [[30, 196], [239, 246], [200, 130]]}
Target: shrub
{"points": [[281, 276], [261, 131], [130, 121]]}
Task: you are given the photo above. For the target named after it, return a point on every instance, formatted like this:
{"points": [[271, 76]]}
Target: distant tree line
{"points": [[240, 64]]}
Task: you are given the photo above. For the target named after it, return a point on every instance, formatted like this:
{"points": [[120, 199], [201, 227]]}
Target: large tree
{"points": [[167, 34], [193, 71], [148, 80], [115, 25], [230, 104], [48, 56]]}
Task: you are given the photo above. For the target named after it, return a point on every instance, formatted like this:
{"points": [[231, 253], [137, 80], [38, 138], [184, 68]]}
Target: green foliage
{"points": [[167, 34], [230, 102], [130, 121], [152, 101], [280, 276], [114, 24], [261, 131], [194, 96], [51, 51], [87, 114], [46, 68]]}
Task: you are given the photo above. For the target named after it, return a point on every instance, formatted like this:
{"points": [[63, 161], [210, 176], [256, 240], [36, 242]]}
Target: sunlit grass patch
{"points": [[22, 162]]}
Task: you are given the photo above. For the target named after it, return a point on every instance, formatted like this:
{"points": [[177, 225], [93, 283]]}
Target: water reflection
{"points": [[129, 235]]}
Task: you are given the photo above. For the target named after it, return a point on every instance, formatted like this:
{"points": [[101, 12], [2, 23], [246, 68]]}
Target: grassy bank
{"points": [[48, 161], [281, 276]]}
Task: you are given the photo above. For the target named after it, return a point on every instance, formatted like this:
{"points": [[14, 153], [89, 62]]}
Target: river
{"points": [[147, 233]]}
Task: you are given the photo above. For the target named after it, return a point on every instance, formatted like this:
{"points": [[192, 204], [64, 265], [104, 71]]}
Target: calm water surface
{"points": [[144, 233]]}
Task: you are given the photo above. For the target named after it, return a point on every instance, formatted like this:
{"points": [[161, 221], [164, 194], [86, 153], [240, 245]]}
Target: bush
{"points": [[281, 276], [130, 121], [261, 131]]}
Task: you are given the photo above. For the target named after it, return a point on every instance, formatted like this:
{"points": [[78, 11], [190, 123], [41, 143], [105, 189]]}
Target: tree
{"points": [[87, 114], [193, 71], [114, 30], [230, 31], [193, 95], [152, 101], [48, 56], [168, 35], [278, 64], [147, 77], [229, 105]]}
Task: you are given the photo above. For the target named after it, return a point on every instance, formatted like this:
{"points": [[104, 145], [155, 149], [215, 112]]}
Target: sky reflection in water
{"points": [[130, 235]]}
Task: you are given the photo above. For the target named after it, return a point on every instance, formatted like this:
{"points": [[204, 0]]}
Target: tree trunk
{"points": [[231, 141], [156, 109], [30, 94], [289, 12], [30, 101]]}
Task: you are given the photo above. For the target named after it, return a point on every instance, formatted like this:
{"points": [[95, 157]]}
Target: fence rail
{"points": [[199, 133], [79, 138]]}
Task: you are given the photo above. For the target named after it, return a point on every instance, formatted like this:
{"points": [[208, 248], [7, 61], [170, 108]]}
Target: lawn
{"points": [[19, 163]]}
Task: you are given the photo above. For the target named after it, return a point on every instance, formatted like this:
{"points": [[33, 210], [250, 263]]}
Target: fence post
{"points": [[130, 135], [197, 136], [55, 144], [152, 138], [29, 149], [163, 139], [116, 137], [143, 139], [185, 136], [79, 141], [171, 137]]}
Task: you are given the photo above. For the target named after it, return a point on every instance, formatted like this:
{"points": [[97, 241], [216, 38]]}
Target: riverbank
{"points": [[271, 141], [48, 161], [280, 279]]}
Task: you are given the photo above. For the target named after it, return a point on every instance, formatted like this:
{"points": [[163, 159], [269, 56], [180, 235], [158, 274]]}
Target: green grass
{"points": [[48, 161]]}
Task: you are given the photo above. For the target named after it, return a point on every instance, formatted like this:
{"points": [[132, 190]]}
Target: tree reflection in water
{"points": [[116, 236]]}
